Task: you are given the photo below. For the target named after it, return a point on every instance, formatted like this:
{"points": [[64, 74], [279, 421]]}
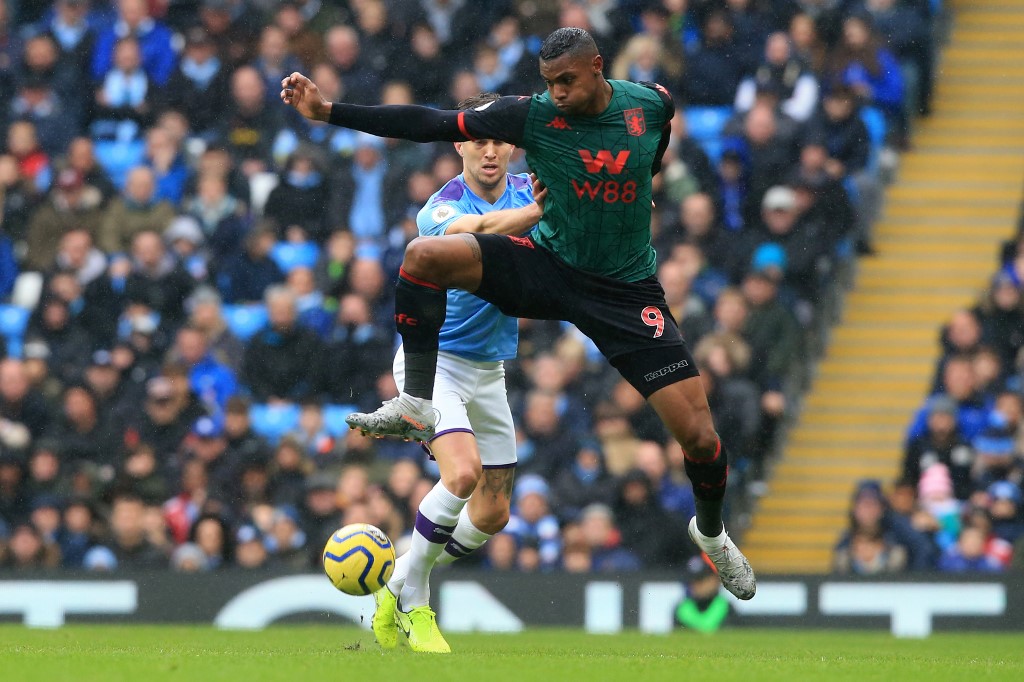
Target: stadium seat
{"points": [[705, 126], [289, 256], [334, 418], [273, 421], [13, 321], [117, 158], [245, 320], [874, 121]]}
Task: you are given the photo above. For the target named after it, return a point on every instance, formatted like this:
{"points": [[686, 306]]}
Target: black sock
{"points": [[419, 313], [708, 478]]}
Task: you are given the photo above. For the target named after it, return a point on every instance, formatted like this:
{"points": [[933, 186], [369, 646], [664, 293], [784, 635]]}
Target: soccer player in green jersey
{"points": [[595, 144]]}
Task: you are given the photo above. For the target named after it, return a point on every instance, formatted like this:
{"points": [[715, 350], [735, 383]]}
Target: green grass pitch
{"points": [[111, 653]]}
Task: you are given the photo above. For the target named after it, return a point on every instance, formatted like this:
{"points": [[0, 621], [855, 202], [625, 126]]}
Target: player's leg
{"points": [[683, 408], [632, 326], [488, 509], [431, 266]]}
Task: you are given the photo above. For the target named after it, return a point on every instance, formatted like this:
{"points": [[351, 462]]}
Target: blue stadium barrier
{"points": [[245, 320], [874, 121], [13, 321], [289, 256], [117, 158], [274, 421], [705, 125], [334, 418]]}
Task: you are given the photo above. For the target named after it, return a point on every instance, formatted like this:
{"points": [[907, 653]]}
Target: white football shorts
{"points": [[471, 397]]}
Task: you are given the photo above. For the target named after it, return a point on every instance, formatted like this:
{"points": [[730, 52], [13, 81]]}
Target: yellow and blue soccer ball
{"points": [[359, 559]]}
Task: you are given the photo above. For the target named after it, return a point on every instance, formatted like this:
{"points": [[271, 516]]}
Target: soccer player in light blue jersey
{"points": [[474, 440]]}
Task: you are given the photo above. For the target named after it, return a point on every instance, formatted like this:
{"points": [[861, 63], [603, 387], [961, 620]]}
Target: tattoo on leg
{"points": [[474, 246], [498, 482]]}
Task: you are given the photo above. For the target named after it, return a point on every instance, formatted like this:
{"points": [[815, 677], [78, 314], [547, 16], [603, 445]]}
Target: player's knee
{"points": [[424, 258], [700, 443], [462, 480]]}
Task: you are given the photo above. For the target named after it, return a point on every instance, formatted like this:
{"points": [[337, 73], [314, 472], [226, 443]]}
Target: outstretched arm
{"points": [[505, 221], [408, 122]]}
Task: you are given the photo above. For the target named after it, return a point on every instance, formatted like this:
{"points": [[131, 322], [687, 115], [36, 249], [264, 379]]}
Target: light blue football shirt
{"points": [[473, 328]]}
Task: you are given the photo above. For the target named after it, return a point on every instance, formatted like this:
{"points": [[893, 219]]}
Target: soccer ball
{"points": [[359, 559]]}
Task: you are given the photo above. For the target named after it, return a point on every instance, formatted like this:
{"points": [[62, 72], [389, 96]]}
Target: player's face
{"points": [[573, 82], [486, 161]]}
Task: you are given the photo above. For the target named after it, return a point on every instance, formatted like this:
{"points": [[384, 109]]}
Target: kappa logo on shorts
{"points": [[522, 241], [657, 374]]}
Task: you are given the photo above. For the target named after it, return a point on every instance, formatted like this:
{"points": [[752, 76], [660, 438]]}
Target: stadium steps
{"points": [[957, 196]]}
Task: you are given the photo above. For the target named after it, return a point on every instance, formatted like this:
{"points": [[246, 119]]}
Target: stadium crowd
{"points": [[958, 505], [200, 282]]}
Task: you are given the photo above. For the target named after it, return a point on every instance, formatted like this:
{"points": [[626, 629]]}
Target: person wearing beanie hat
{"points": [[935, 493], [870, 514]]}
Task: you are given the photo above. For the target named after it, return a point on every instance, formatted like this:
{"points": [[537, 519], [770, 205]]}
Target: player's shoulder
{"points": [[520, 182], [444, 204], [653, 94]]}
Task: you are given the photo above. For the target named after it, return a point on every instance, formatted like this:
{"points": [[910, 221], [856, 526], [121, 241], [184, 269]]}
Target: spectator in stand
{"points": [[532, 521], [968, 554], [33, 161], [425, 59], [153, 37], [55, 121], [771, 330], [81, 156], [1005, 510], [275, 60], [359, 82], [128, 535], [357, 353], [78, 256], [869, 553], [71, 205], [199, 87], [24, 412], [73, 33], [715, 68], [248, 274], [907, 35], [943, 444], [84, 432], [862, 64], [281, 360], [869, 512], [211, 381], [784, 73], [973, 409], [137, 210], [123, 98], [251, 124], [223, 217], [206, 315], [297, 204], [584, 482], [165, 157], [997, 455], [648, 529], [163, 424], [605, 541], [1002, 317], [42, 63]]}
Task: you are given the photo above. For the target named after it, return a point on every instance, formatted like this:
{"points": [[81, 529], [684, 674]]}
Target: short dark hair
{"points": [[478, 100], [571, 40]]}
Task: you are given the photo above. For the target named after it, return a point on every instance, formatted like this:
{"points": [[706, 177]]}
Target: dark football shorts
{"points": [[628, 321]]}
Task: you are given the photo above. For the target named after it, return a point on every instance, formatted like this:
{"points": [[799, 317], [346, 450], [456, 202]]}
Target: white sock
{"points": [[435, 523], [468, 537], [712, 544]]}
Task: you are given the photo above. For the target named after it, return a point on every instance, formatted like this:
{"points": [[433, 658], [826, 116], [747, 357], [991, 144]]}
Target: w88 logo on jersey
{"points": [[608, 191]]}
